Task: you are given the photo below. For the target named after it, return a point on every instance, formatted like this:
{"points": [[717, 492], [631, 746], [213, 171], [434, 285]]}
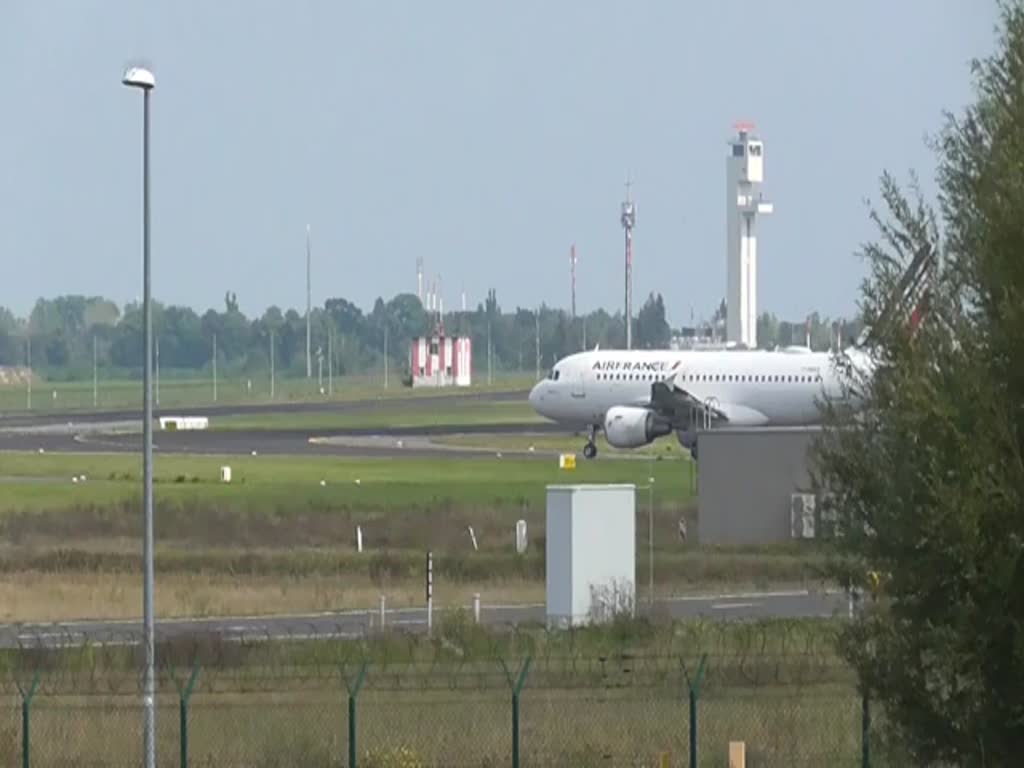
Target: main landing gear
{"points": [[590, 450]]}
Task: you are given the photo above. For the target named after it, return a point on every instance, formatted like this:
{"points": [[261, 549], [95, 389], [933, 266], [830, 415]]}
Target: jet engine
{"points": [[631, 427]]}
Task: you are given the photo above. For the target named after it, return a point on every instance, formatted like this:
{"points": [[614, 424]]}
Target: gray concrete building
{"points": [[754, 486]]}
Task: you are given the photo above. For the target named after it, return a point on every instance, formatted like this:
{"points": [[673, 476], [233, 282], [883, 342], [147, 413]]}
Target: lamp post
{"points": [[142, 78]]}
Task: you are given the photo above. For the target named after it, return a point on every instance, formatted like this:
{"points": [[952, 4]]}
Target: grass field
{"points": [[177, 392], [614, 695], [281, 536]]}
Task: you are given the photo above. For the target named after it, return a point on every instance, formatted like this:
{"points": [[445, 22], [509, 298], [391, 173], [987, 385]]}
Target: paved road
{"points": [[21, 419], [387, 442], [735, 606]]}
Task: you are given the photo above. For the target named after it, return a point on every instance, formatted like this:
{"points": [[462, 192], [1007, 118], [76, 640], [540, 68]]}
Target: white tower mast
{"points": [[744, 201], [628, 219]]}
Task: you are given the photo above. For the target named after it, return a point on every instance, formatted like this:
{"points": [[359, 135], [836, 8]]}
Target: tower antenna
{"points": [[744, 203], [309, 307], [628, 219]]}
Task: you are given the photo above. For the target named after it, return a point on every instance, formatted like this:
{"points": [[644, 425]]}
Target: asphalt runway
{"points": [[119, 431], [354, 624], [22, 419], [288, 442]]}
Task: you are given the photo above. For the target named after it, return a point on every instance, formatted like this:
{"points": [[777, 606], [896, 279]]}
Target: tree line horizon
{"points": [[62, 334]]}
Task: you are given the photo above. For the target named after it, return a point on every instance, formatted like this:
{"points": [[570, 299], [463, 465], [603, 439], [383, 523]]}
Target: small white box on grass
{"points": [[590, 553], [225, 474]]}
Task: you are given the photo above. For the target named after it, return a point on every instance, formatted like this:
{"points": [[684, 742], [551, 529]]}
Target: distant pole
{"points": [[536, 339], [309, 309], [95, 393], [628, 219], [320, 369], [271, 364], [28, 342], [572, 270], [430, 591], [215, 367], [385, 355], [330, 362], [488, 351], [156, 341], [650, 530]]}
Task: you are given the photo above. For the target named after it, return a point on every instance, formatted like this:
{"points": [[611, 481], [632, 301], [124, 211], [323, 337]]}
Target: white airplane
{"points": [[637, 396]]}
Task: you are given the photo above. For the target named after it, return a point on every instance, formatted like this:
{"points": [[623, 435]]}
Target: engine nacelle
{"points": [[631, 427]]}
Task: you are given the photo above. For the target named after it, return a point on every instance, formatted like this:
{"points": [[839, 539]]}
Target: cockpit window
{"points": [[553, 374]]}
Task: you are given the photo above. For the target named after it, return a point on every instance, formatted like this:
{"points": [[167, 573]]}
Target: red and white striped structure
{"points": [[441, 361]]}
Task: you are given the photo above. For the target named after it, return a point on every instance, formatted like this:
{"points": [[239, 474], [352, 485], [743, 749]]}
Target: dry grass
{"points": [[55, 597], [586, 727]]}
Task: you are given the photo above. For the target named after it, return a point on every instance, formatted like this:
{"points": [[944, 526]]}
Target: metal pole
{"points": [[476, 608], [271, 365], [149, 696], [330, 362], [488, 351], [430, 592], [309, 308], [385, 356], [215, 367], [383, 611], [94, 392], [157, 382], [650, 536], [28, 340], [536, 338]]}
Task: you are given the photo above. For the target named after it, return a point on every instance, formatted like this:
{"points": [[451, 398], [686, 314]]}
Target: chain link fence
{"points": [[613, 710]]}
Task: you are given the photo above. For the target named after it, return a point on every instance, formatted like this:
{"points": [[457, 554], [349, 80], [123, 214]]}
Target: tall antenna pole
{"points": [[156, 378], [572, 270], [309, 309], [28, 345], [628, 219], [215, 367], [536, 339], [419, 278], [271, 363]]}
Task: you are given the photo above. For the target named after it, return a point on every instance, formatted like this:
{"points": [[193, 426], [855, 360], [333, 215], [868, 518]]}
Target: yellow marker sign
{"points": [[567, 461]]}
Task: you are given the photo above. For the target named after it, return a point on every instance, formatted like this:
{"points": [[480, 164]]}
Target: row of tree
{"points": [[65, 333]]}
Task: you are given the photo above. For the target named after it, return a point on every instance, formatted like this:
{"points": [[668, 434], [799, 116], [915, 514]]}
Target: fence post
{"points": [[26, 706], [517, 688], [694, 692], [184, 696], [353, 693], [865, 734]]}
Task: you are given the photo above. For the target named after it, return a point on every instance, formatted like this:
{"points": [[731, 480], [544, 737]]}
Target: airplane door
{"points": [[577, 386]]}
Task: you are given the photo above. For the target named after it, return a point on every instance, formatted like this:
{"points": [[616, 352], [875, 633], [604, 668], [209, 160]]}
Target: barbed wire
{"points": [[458, 653]]}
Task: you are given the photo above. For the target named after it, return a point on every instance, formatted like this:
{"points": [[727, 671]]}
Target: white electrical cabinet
{"points": [[590, 553]]}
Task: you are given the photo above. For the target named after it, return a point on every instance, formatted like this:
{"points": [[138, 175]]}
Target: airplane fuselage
{"points": [[753, 387]]}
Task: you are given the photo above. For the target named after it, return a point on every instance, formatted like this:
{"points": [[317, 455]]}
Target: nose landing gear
{"points": [[590, 449]]}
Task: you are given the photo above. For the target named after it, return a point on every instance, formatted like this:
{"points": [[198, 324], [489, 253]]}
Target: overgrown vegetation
{"points": [[929, 480]]}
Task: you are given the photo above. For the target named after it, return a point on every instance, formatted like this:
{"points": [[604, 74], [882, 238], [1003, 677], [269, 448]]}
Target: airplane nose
{"points": [[536, 395]]}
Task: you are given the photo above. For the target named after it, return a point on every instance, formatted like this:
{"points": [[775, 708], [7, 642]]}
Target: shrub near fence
{"points": [[613, 710]]}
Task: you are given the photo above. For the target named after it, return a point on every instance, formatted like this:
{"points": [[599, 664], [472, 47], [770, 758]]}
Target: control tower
{"points": [[744, 202]]}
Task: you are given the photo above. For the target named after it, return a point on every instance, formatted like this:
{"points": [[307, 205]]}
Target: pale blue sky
{"points": [[485, 137]]}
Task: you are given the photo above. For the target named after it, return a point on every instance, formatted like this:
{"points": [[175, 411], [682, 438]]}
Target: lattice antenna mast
{"points": [[628, 220]]}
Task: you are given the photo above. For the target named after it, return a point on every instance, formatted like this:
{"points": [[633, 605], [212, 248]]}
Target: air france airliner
{"points": [[637, 396]]}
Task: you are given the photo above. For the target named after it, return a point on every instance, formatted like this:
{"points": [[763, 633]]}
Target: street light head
{"points": [[139, 77]]}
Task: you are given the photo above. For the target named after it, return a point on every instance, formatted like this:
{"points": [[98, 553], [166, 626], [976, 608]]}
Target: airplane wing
{"points": [[681, 408]]}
